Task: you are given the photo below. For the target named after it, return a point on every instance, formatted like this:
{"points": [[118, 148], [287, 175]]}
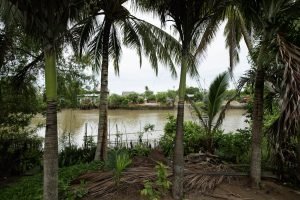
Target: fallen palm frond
{"points": [[199, 177]]}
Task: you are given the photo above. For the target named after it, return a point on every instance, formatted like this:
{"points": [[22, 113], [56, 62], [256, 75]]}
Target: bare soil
{"points": [[235, 189]]}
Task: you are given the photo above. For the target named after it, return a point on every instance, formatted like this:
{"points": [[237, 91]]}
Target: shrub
{"points": [[234, 147], [20, 151], [194, 137], [75, 155], [30, 187]]}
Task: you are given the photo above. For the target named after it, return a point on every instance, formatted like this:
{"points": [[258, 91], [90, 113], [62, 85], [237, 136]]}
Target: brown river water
{"points": [[77, 122]]}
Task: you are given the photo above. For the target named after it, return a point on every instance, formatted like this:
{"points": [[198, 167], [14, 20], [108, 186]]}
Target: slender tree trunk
{"points": [[51, 146], [258, 111], [101, 151], [178, 165], [298, 156]]}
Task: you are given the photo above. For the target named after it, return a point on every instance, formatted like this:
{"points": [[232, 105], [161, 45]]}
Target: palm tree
{"points": [[263, 17], [190, 19], [211, 114], [101, 36], [45, 22]]}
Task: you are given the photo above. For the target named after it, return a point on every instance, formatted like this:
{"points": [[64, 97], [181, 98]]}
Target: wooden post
{"points": [[85, 136]]}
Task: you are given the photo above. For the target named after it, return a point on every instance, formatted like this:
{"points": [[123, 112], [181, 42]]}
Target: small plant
{"points": [[153, 191], [122, 162], [149, 191], [118, 160], [162, 178]]}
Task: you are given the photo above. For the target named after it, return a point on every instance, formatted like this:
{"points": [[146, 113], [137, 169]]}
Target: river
{"points": [[127, 121]]}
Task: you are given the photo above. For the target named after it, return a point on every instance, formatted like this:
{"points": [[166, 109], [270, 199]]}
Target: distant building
{"points": [[126, 93], [90, 98]]}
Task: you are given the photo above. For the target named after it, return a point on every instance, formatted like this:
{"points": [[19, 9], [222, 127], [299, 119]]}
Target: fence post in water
{"points": [[117, 136], [108, 133], [69, 138], [85, 136]]}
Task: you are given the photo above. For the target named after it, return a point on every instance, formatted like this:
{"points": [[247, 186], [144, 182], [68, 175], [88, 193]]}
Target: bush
{"points": [[234, 147], [75, 155], [20, 151], [194, 137], [161, 97], [115, 100], [31, 187]]}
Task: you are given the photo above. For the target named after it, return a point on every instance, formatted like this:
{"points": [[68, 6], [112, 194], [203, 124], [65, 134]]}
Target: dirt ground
{"points": [[236, 190]]}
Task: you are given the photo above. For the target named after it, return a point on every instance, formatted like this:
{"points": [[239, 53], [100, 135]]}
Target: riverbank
{"points": [[155, 106], [142, 107]]}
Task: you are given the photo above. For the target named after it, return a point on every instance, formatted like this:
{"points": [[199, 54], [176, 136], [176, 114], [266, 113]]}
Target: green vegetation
{"points": [[211, 114], [155, 190], [31, 187], [231, 147], [162, 98], [58, 41]]}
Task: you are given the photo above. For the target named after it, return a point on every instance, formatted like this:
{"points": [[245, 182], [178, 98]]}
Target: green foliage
{"points": [[71, 80], [30, 188], [115, 100], [151, 98], [161, 97], [197, 95], [20, 148], [122, 162], [149, 192], [229, 94], [139, 149], [133, 98], [118, 160], [74, 155], [211, 114], [194, 137], [154, 190], [17, 100], [234, 147]]}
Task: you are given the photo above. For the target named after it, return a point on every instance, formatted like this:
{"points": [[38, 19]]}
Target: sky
{"points": [[134, 78]]}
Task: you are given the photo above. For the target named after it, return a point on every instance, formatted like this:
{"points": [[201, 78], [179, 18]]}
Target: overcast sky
{"points": [[134, 78]]}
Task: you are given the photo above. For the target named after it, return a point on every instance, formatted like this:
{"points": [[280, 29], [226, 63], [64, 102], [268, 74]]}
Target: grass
{"points": [[31, 187]]}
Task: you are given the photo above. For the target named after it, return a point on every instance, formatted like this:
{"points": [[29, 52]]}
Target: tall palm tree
{"points": [[102, 37], [212, 108], [265, 17], [45, 22], [190, 19]]}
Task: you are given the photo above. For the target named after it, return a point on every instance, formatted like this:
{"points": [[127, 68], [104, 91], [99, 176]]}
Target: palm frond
{"points": [[208, 35], [233, 35], [216, 95], [198, 112], [115, 49], [95, 47], [290, 110]]}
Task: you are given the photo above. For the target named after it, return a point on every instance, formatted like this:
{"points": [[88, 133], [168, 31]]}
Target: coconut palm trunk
{"points": [[258, 111], [51, 143], [101, 150], [178, 165], [298, 156]]}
